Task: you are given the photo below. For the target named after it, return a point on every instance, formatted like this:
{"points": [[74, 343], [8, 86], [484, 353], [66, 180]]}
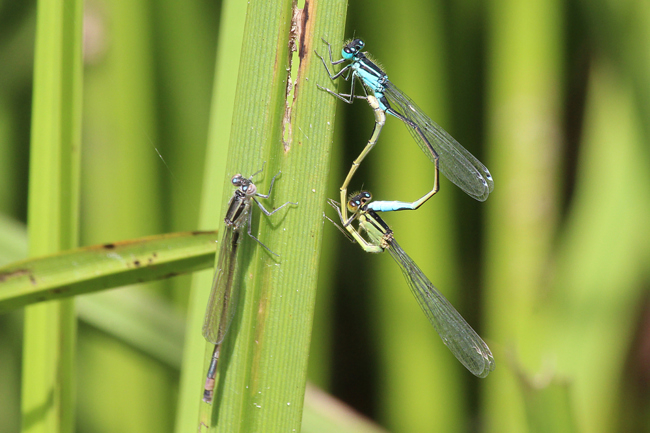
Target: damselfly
{"points": [[225, 286], [456, 333], [452, 159]]}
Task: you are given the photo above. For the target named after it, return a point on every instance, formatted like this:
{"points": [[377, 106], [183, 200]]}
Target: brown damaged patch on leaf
{"points": [[130, 242], [16, 274], [298, 42], [306, 35], [58, 291]]}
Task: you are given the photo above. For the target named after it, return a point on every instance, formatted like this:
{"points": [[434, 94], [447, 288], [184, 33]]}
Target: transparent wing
{"points": [[458, 336], [225, 289], [456, 163]]}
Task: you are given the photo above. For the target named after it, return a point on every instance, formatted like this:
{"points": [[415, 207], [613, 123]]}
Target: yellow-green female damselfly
{"points": [[449, 157], [223, 299], [466, 345]]}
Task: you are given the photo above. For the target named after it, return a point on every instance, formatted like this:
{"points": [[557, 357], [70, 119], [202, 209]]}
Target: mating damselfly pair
{"points": [[448, 156]]}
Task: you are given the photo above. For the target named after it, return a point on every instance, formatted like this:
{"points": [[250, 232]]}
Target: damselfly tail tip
{"points": [[208, 391], [207, 396]]}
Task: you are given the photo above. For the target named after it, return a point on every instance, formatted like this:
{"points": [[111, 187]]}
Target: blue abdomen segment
{"points": [[389, 206]]}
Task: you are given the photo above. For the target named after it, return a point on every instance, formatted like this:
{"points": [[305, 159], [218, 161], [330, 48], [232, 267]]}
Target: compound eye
{"points": [[236, 180], [347, 53], [353, 205]]}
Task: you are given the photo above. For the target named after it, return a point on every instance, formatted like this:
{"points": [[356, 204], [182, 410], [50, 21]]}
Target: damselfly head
{"points": [[245, 185], [358, 201], [352, 48]]}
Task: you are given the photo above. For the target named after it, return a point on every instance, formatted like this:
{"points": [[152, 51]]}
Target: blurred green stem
{"points": [[50, 329], [524, 102]]}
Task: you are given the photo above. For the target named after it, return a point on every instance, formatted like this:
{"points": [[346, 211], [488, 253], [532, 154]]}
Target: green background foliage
{"points": [[552, 270]]}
